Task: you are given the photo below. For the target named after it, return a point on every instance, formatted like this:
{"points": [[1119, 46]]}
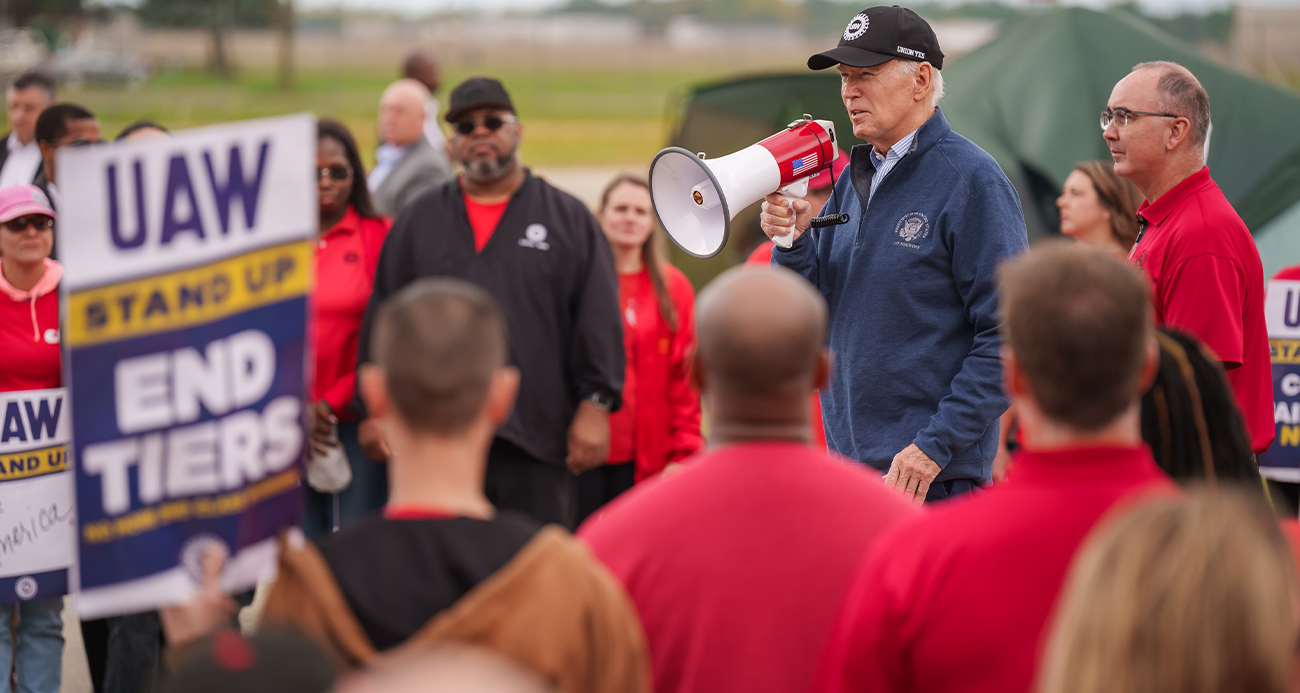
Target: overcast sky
{"points": [[1163, 7]]}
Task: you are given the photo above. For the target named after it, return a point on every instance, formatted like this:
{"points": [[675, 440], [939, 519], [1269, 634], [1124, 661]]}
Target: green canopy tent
{"points": [[1031, 98]]}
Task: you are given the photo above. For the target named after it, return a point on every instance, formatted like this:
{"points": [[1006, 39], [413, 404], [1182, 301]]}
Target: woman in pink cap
{"points": [[29, 340]]}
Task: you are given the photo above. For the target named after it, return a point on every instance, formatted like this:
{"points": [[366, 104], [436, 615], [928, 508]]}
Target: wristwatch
{"points": [[601, 401]]}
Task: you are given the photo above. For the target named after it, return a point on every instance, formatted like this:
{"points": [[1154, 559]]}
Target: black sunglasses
{"points": [[336, 172], [39, 221], [492, 123]]}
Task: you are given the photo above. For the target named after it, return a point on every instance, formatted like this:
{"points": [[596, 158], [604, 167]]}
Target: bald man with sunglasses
{"points": [[543, 256]]}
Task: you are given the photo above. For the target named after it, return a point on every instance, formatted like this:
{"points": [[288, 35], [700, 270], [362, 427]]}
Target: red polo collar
{"points": [[1083, 465], [1156, 212], [350, 223]]}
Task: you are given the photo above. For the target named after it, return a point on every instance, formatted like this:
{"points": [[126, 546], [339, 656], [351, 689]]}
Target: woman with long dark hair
{"points": [[659, 422], [1191, 420], [343, 480]]}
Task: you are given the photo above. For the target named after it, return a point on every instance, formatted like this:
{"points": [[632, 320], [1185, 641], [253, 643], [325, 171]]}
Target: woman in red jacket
{"points": [[351, 236], [29, 340], [659, 422]]}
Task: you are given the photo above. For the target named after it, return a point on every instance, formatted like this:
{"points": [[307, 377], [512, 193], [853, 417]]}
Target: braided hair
{"points": [[1191, 420]]}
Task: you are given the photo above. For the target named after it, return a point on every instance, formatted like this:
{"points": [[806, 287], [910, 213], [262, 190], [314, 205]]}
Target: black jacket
{"points": [[551, 269]]}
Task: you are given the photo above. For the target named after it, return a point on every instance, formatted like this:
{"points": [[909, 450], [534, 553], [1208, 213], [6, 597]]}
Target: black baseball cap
{"points": [[475, 93], [879, 34]]}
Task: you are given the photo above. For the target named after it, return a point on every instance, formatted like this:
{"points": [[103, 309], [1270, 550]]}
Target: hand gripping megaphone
{"points": [[696, 198]]}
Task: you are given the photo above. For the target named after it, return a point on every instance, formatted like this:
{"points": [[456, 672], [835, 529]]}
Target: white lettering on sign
{"points": [[1291, 384], [1287, 413], [162, 390]]}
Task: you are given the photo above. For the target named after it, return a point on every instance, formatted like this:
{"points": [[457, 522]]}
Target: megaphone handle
{"points": [[794, 191]]}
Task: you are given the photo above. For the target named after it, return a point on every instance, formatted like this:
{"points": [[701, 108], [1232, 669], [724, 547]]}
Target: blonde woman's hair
{"points": [[1191, 594]]}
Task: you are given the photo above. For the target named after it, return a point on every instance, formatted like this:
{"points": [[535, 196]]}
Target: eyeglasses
{"points": [[1121, 116], [335, 172], [38, 221], [492, 123]]}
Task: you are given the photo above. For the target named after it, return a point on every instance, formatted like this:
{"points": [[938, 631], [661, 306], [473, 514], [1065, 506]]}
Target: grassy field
{"points": [[596, 117]]}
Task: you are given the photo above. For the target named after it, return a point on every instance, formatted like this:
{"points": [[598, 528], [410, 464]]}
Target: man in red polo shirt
{"points": [[959, 600], [1204, 268], [738, 562]]}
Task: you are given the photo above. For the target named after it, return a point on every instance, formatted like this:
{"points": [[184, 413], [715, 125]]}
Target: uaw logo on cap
{"points": [[913, 227], [857, 26], [39, 197]]}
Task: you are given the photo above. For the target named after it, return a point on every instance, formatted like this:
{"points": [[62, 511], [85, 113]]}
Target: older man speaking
{"points": [[917, 389]]}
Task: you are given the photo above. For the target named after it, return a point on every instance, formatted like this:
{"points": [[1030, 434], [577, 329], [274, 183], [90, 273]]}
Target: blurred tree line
{"points": [[820, 17], [217, 16]]}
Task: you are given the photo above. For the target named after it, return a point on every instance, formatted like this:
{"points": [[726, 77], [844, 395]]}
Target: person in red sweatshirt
{"points": [[351, 236], [737, 562], [659, 422], [959, 600], [29, 340]]}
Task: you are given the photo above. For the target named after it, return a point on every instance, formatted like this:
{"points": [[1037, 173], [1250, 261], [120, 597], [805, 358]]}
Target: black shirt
{"points": [[551, 269], [398, 574]]}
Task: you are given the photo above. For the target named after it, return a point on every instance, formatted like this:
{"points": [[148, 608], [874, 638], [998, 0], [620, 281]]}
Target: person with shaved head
{"points": [[1204, 268], [443, 564], [407, 164], [737, 562]]}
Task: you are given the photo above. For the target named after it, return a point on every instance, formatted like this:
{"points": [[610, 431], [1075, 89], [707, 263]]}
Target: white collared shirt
{"points": [[23, 162], [432, 129], [386, 157], [886, 163]]}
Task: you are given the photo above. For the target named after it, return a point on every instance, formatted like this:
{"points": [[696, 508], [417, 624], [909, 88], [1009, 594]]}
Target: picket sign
{"points": [[1281, 462], [38, 535], [187, 266]]}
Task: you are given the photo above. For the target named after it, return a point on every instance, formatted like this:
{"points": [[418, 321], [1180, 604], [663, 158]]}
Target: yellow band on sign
{"points": [[205, 507], [190, 297], [25, 465], [1284, 350]]}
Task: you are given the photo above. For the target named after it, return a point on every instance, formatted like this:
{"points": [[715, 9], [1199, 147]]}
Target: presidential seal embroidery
{"points": [[913, 227]]}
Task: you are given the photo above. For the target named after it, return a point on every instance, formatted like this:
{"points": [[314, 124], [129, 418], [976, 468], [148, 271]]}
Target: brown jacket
{"points": [[553, 608]]}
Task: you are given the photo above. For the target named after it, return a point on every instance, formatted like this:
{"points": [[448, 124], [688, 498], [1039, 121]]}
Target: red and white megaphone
{"points": [[696, 198]]}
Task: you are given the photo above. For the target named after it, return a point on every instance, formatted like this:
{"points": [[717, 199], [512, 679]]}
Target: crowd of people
{"points": [[908, 453]]}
